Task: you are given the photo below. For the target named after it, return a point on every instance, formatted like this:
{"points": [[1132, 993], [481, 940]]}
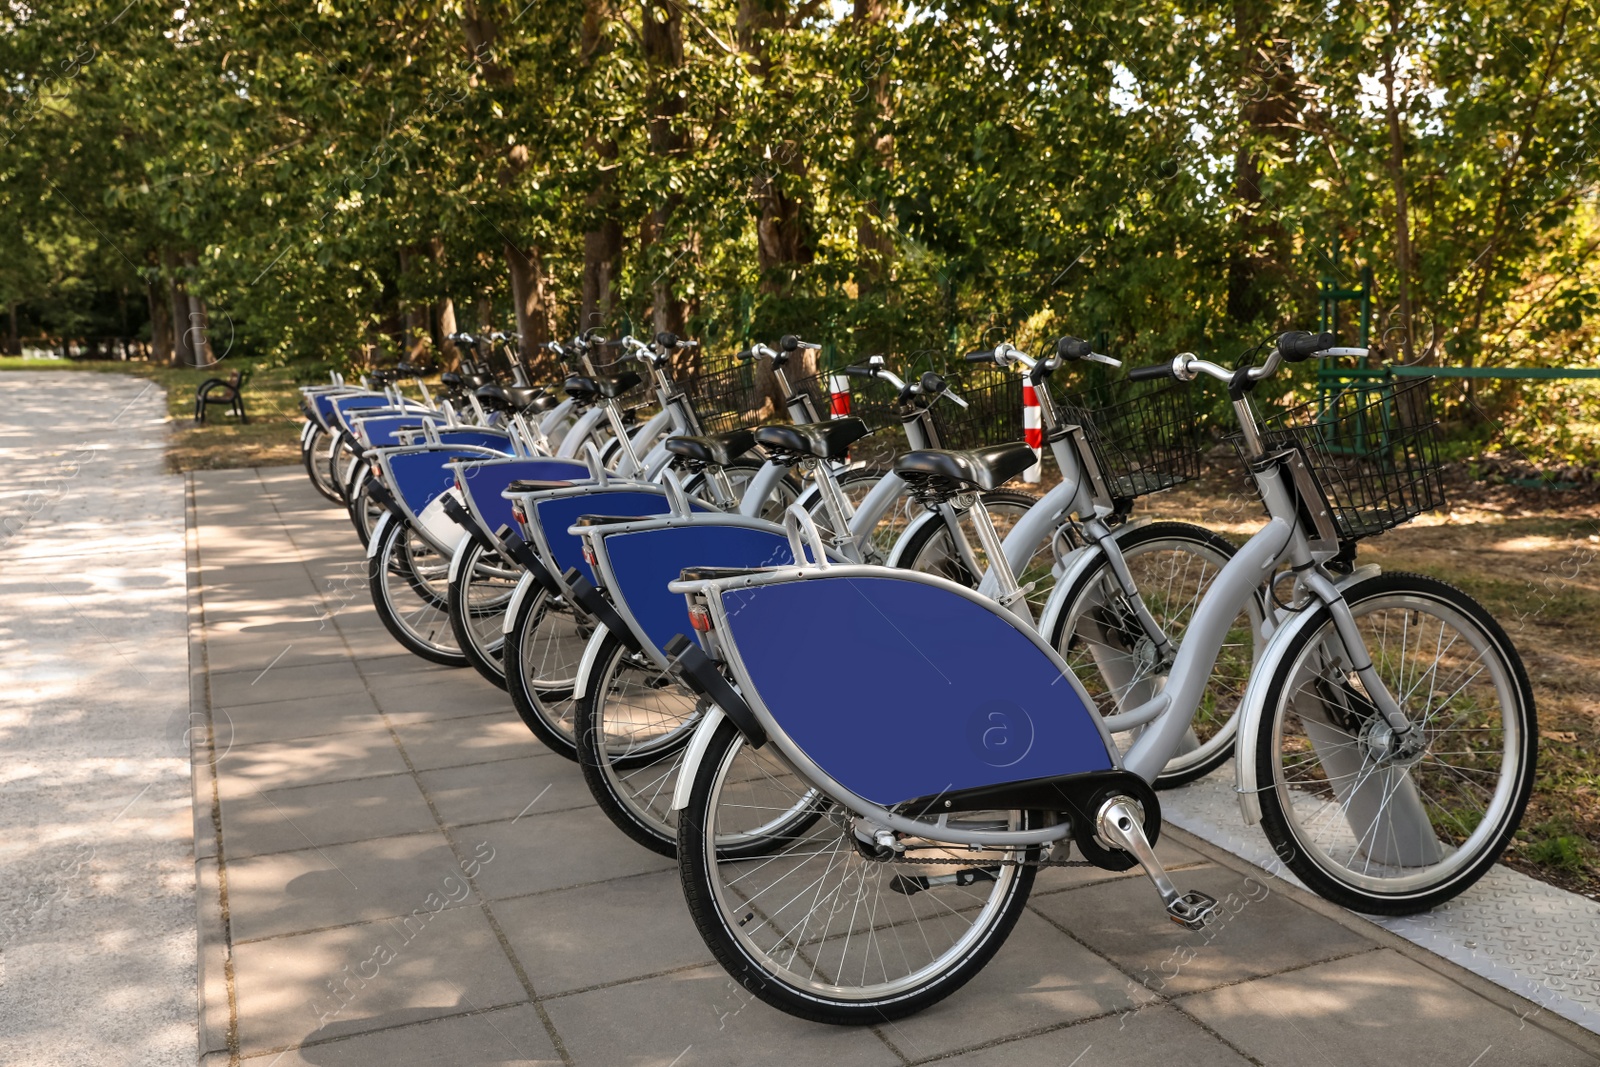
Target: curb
{"points": [[218, 1020]]}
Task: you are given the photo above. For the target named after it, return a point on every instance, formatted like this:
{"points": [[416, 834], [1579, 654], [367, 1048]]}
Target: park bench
{"points": [[229, 391]]}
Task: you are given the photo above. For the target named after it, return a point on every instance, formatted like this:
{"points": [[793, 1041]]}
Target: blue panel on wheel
{"points": [[556, 515], [485, 482], [421, 476], [643, 562], [481, 438], [339, 405], [923, 690], [382, 431]]}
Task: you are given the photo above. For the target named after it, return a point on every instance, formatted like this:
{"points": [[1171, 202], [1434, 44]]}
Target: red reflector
{"points": [[588, 554], [518, 514], [700, 619]]}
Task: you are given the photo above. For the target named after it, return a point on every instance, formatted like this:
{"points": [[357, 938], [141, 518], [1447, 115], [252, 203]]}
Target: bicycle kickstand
{"points": [[1119, 823]]}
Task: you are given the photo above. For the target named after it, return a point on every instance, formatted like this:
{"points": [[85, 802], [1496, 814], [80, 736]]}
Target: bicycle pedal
{"points": [[1194, 910]]}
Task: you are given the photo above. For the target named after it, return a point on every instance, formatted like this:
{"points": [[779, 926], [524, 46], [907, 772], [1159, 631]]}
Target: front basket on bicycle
{"points": [[1144, 444], [1374, 450]]}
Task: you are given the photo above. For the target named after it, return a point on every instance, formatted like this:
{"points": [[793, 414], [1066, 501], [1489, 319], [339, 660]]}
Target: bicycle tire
{"points": [[479, 594], [1317, 707], [423, 630]]}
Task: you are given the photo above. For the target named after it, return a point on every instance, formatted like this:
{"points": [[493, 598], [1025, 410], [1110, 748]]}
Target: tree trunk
{"points": [[444, 313], [602, 244], [415, 312], [1397, 176], [14, 338], [1267, 108], [200, 333], [530, 298], [874, 152], [160, 325], [662, 36], [182, 353]]}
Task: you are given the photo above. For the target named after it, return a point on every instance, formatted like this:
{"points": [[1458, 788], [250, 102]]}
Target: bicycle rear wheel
{"points": [[815, 926], [480, 592], [409, 581], [542, 652], [1384, 831], [312, 455], [932, 550]]}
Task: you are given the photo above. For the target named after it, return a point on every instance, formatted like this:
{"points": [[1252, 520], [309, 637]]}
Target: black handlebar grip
{"points": [[932, 384], [744, 354], [789, 343], [1297, 345], [1073, 348], [667, 339], [859, 372], [985, 356], [1150, 374]]}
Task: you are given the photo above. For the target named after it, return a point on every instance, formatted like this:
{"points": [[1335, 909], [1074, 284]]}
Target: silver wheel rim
{"points": [[426, 621], [1475, 670], [876, 935]]}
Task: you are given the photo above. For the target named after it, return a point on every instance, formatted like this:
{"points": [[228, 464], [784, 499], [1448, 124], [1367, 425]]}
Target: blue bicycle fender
{"points": [[556, 515], [644, 561], [483, 483], [925, 692]]}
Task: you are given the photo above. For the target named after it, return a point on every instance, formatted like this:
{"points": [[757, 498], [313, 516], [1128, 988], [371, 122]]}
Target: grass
{"points": [[271, 399]]}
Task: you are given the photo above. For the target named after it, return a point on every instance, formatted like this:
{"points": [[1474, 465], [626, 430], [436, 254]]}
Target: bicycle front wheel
{"points": [[814, 924], [1387, 830]]}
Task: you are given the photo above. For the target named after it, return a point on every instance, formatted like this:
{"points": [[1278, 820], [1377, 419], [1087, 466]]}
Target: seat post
{"points": [[1010, 595], [840, 513]]}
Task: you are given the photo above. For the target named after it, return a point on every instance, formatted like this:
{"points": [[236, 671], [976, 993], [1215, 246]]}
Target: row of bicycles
{"points": [[864, 693]]}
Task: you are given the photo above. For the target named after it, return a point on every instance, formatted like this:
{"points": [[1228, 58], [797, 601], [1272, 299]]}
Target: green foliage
{"points": [[1166, 175]]}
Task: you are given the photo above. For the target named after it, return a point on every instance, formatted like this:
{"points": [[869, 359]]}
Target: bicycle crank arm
{"points": [[1120, 823]]}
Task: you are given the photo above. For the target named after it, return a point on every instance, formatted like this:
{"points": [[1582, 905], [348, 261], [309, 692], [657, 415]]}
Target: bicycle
{"points": [[942, 793]]}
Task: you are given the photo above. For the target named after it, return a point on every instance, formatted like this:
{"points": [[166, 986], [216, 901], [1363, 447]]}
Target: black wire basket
{"points": [[1374, 450], [725, 399], [993, 414], [1146, 443]]}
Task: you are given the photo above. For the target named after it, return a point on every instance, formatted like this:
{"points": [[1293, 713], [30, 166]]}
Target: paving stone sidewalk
{"points": [[97, 921], [393, 872]]}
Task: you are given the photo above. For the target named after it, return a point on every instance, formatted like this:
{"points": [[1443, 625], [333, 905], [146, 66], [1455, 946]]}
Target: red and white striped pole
{"points": [[838, 396], [1032, 432]]}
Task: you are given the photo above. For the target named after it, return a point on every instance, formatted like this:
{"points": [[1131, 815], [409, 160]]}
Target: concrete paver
{"points": [[413, 815]]}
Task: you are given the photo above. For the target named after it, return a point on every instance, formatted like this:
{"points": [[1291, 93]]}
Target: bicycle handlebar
{"points": [[1148, 374]]}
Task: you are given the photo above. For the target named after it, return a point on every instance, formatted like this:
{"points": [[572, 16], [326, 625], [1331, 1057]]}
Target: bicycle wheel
{"points": [[932, 551], [479, 595], [364, 511], [816, 927], [1098, 633], [1379, 831], [409, 579], [632, 722], [541, 655], [316, 447], [341, 451], [741, 472]]}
